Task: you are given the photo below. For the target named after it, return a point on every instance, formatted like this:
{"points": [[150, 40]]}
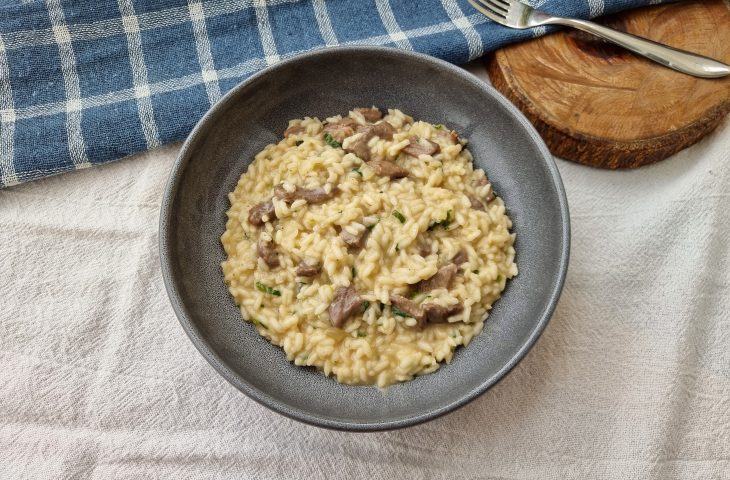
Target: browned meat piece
{"points": [[438, 314], [282, 194], [313, 196], [317, 195], [407, 306], [354, 241], [360, 148], [421, 146], [308, 270], [441, 279], [476, 204], [341, 129], [449, 135], [371, 114], [266, 249], [460, 257], [257, 212], [346, 303], [294, 130], [388, 169], [384, 130]]}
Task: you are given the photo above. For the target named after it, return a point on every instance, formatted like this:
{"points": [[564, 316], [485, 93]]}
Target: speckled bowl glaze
{"points": [[329, 82]]}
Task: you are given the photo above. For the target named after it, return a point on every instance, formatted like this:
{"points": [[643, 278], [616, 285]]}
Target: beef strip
{"points": [[388, 169], [308, 270], [341, 129], [421, 146], [441, 279], [294, 130], [313, 196], [434, 313], [460, 257], [257, 212], [371, 114], [354, 241], [266, 249], [382, 129], [346, 303], [408, 306], [360, 148], [476, 204]]}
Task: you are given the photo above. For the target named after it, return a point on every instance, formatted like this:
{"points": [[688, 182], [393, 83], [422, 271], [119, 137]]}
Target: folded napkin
{"points": [[84, 83]]}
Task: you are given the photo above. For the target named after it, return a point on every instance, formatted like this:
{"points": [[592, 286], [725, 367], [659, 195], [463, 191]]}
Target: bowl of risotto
{"points": [[363, 238]]}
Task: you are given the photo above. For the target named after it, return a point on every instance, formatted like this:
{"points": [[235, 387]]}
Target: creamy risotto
{"points": [[367, 246]]}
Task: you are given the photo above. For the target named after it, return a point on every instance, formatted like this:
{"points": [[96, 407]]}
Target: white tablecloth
{"points": [[631, 379]]}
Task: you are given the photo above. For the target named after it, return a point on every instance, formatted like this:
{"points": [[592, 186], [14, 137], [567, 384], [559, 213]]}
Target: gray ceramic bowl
{"points": [[330, 82]]}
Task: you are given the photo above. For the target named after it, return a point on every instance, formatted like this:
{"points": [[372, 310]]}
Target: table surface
{"points": [[631, 379]]}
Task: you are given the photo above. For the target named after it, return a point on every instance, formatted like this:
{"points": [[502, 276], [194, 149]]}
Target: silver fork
{"points": [[515, 14]]}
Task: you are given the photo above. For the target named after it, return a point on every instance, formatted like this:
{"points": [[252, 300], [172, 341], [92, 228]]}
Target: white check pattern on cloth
{"points": [[202, 45], [596, 7], [243, 68], [325, 25], [267, 36], [76, 146], [15, 166], [139, 74], [391, 25], [476, 47], [7, 121]]}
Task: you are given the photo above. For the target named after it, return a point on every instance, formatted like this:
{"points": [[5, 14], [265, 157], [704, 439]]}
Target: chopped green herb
{"points": [[439, 126], [412, 295], [399, 216], [397, 247], [354, 272], [476, 271], [370, 227], [499, 278], [361, 334], [357, 170], [365, 305], [298, 142], [398, 311], [331, 141], [267, 289], [443, 223]]}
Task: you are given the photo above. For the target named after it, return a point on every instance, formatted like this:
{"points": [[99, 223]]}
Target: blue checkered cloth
{"points": [[87, 82]]}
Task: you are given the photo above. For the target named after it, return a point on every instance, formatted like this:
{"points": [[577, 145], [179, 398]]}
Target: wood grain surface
{"points": [[598, 104]]}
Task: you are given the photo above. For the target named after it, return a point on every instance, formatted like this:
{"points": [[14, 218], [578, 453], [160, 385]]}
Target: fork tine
{"points": [[496, 6], [505, 3], [492, 15]]}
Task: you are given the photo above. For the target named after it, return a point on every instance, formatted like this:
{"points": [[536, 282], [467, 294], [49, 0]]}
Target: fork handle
{"points": [[674, 58]]}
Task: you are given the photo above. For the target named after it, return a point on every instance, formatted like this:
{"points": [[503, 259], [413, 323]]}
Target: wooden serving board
{"points": [[598, 104]]}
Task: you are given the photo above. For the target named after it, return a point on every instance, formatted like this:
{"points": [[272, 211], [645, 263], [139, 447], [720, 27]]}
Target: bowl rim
{"points": [[260, 396]]}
